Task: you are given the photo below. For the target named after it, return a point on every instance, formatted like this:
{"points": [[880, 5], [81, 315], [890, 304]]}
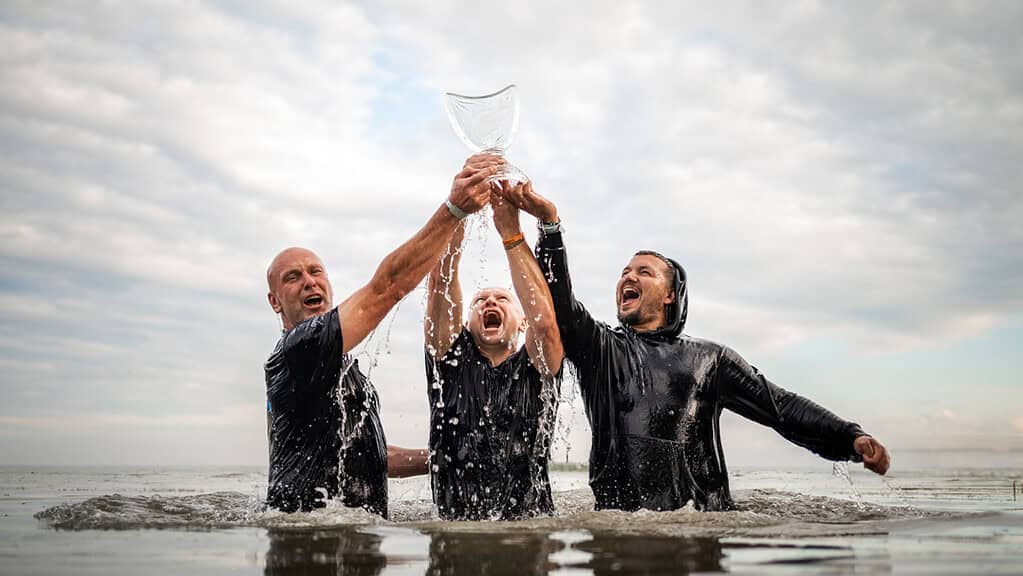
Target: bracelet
{"points": [[548, 227], [455, 210], [514, 241]]}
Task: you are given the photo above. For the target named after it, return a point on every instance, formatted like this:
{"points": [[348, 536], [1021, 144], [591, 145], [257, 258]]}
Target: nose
{"points": [[308, 281]]}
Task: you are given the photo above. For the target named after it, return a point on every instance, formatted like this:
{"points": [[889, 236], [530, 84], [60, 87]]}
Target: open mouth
{"points": [[629, 295], [491, 320], [313, 301]]}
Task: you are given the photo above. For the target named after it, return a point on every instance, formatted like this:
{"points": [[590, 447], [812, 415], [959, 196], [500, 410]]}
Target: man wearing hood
{"points": [[653, 395]]}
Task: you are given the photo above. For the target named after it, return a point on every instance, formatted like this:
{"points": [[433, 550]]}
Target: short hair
{"points": [[662, 258]]}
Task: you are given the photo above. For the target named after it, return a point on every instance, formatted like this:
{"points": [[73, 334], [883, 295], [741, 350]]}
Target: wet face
{"points": [[299, 287], [496, 318], [643, 291]]}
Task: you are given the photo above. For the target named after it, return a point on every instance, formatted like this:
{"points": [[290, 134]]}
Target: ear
{"points": [[274, 302], [670, 298], [522, 325]]}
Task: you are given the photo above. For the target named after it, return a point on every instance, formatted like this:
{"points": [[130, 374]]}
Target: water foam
{"points": [[758, 512]]}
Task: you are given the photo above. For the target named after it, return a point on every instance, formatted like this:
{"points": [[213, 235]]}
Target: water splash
{"points": [[841, 470], [892, 489], [758, 512]]}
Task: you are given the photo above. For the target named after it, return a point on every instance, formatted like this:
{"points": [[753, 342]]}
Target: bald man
{"points": [[326, 440], [492, 402]]}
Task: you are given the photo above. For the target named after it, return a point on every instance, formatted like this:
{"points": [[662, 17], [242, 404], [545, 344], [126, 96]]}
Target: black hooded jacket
{"points": [[653, 400]]}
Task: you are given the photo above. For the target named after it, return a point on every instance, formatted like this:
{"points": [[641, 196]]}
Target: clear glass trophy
{"points": [[488, 124]]}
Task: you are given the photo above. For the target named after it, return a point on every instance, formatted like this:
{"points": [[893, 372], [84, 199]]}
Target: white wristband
{"points": [[455, 210]]}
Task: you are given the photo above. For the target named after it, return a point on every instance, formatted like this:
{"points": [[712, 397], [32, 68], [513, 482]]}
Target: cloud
{"points": [[824, 173], [829, 164]]}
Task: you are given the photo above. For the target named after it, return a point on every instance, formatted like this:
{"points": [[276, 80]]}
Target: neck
{"points": [[649, 326], [496, 353]]}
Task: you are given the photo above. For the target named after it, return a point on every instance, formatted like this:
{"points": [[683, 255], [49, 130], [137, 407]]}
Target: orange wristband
{"points": [[514, 241]]}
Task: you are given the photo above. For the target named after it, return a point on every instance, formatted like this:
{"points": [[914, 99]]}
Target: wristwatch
{"points": [[548, 227]]}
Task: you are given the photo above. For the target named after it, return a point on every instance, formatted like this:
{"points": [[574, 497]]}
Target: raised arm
{"points": [[543, 340], [578, 330], [403, 269], [746, 391], [444, 299]]}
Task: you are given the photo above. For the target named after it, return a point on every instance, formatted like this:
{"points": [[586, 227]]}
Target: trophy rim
{"points": [[491, 95]]}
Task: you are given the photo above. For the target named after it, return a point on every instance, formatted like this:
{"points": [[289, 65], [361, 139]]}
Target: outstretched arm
{"points": [[746, 391], [402, 462], [444, 299], [401, 270], [543, 339]]}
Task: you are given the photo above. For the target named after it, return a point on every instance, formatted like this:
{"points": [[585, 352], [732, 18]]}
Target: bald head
{"points": [[496, 318], [298, 286], [283, 257]]}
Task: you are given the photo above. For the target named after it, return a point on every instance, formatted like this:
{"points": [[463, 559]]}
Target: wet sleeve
{"points": [[579, 331], [314, 347], [447, 368], [745, 391]]}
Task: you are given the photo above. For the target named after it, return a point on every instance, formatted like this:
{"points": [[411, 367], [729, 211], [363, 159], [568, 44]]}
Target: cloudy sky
{"points": [[842, 182]]}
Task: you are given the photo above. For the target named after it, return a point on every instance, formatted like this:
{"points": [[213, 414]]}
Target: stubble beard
{"points": [[629, 318]]}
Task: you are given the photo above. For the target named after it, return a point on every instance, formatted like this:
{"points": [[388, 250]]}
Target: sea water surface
{"points": [[941, 513]]}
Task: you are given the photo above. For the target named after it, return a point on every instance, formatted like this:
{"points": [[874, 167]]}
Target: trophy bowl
{"points": [[487, 124]]}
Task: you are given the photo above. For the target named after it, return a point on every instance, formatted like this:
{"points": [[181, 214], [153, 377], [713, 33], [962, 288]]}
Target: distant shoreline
{"points": [[568, 466]]}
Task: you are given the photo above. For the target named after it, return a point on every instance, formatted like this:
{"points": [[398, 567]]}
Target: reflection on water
{"points": [[490, 553], [356, 552], [347, 552], [636, 554]]}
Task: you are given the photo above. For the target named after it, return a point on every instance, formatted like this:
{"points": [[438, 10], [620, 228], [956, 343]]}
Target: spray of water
{"points": [[841, 470], [369, 352]]}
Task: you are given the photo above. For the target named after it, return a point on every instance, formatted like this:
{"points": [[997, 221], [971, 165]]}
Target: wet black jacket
{"points": [[309, 430], [490, 434], [653, 400]]}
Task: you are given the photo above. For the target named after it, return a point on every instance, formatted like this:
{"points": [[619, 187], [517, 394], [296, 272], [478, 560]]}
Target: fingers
{"points": [[481, 176], [868, 448], [483, 160], [470, 169], [498, 187], [496, 200], [876, 457], [473, 192], [471, 188], [514, 194]]}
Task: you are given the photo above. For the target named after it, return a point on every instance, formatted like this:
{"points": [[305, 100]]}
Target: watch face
{"points": [[548, 227]]}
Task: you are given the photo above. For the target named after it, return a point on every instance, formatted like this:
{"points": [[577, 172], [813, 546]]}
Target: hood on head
{"points": [[674, 313]]}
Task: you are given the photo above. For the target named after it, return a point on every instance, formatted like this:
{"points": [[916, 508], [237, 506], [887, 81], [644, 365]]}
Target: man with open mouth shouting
{"points": [[492, 402], [326, 440], [653, 395]]}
